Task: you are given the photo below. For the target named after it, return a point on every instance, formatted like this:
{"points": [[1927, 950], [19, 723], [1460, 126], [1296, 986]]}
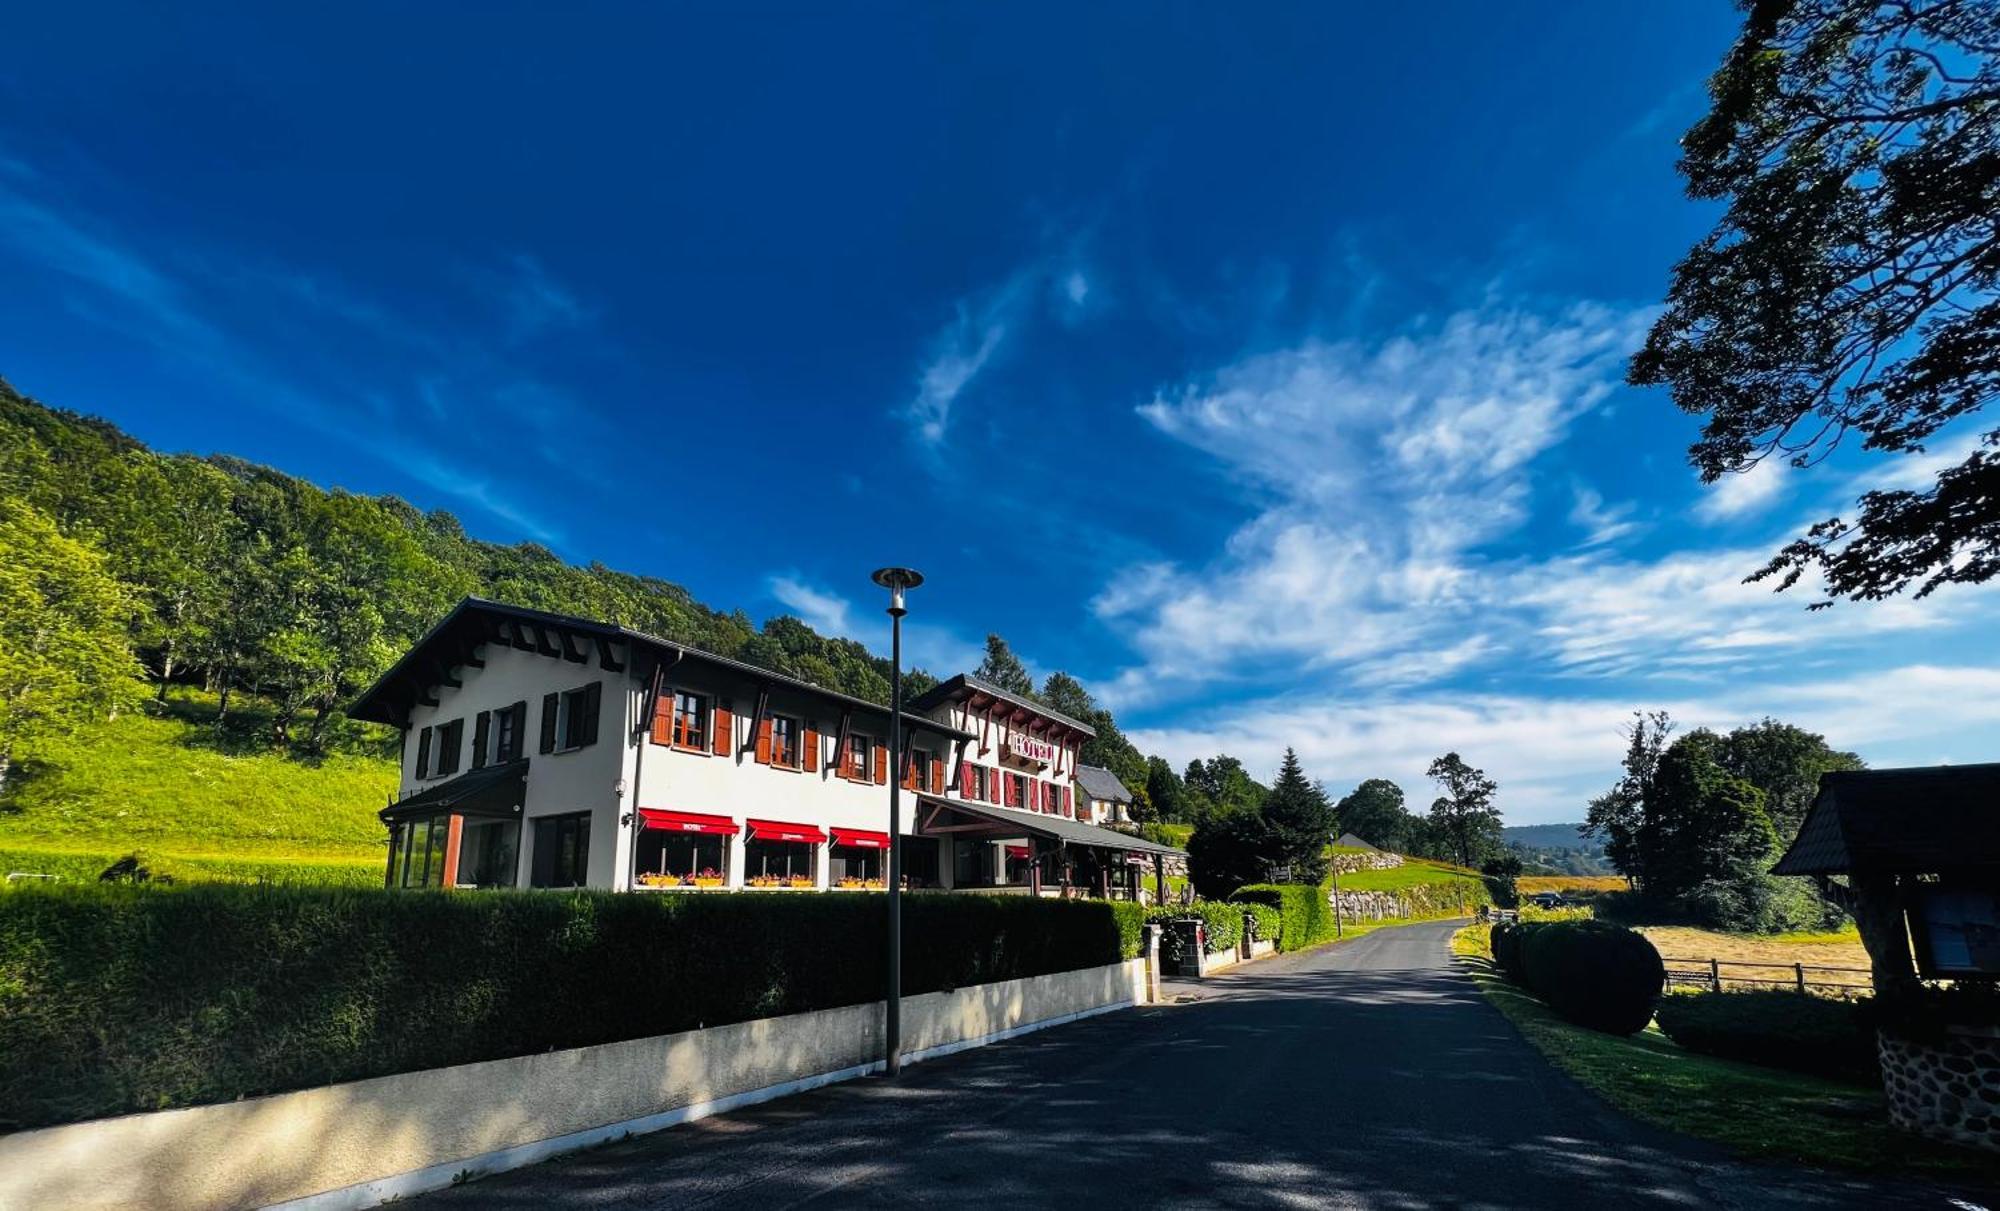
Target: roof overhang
{"points": [[496, 792], [983, 697], [980, 821], [1919, 821]]}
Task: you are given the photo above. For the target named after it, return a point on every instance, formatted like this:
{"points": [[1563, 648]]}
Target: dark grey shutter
{"points": [[482, 728], [424, 753], [549, 705], [586, 730]]}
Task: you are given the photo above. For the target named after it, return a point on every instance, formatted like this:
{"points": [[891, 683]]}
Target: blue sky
{"points": [[1262, 369]]}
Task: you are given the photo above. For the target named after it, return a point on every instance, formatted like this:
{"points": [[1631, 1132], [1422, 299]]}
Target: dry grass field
{"points": [[1530, 884], [1841, 949]]}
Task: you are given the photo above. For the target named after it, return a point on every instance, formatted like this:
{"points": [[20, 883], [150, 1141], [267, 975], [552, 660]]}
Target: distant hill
{"points": [[1556, 849]]}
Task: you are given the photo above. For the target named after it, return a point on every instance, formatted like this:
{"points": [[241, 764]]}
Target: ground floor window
{"points": [[486, 852], [973, 864], [562, 851], [920, 862], [416, 852], [779, 864], [670, 859], [854, 867], [1018, 858]]}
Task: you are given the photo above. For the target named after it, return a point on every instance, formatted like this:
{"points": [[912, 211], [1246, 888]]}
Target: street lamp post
{"points": [[897, 581], [1339, 931]]}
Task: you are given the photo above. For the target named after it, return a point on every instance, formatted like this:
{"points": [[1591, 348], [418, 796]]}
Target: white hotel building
{"points": [[541, 750]]}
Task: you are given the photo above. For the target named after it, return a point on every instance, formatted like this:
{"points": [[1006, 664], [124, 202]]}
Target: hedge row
{"points": [[1304, 917], [1780, 1029], [122, 998], [1261, 921], [1223, 923], [1594, 973]]}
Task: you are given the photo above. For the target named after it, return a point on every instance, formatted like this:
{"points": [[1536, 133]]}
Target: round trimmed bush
{"points": [[1594, 973]]}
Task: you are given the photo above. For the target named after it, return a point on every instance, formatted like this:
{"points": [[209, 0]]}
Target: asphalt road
{"points": [[1370, 1074]]}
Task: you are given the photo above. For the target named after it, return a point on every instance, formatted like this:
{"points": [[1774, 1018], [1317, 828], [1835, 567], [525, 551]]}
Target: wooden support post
{"points": [[1159, 880], [1715, 974], [1800, 968]]}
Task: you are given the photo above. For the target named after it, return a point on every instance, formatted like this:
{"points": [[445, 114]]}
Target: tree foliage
{"points": [[1374, 812], [1615, 817], [64, 621], [1299, 818], [1851, 290], [1464, 818], [1004, 669]]}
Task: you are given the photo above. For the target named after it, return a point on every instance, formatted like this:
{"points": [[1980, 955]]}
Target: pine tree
{"points": [[1004, 669], [1299, 820]]}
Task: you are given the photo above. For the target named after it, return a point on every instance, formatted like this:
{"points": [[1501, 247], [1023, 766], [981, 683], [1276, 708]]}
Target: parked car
{"points": [[1548, 899]]}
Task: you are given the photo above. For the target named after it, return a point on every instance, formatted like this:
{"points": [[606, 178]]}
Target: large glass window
{"points": [[857, 867], [972, 863], [920, 862], [562, 851], [690, 720], [778, 864], [486, 851], [672, 859], [416, 852]]}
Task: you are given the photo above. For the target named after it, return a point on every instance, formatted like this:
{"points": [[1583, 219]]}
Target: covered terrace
{"points": [[993, 848]]}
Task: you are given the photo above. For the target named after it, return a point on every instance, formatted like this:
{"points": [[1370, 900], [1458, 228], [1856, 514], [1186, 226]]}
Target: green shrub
{"points": [[120, 998], [1778, 1029], [1223, 924], [1506, 945], [1263, 922], [1131, 920], [1304, 917], [1594, 973]]}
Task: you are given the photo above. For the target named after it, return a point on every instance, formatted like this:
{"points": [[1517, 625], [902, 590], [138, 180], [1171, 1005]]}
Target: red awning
{"points": [[772, 830], [1018, 851], [861, 837], [686, 822]]}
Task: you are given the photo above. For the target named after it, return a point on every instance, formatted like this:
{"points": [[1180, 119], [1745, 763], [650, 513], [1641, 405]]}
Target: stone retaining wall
{"points": [[1948, 1091], [1347, 864]]}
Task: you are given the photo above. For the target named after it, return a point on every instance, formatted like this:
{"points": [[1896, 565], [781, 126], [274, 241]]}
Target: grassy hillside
{"points": [[1414, 872], [197, 801]]}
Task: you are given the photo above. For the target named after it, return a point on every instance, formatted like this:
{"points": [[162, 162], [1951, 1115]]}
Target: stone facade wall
{"points": [[1949, 1091], [1370, 905], [1347, 864]]}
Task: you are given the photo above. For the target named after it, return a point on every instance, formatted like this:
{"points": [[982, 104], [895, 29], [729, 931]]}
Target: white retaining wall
{"points": [[358, 1143]]}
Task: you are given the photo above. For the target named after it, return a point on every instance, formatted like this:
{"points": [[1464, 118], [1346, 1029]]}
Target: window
{"points": [[778, 864], [972, 863], [450, 738], [671, 859], [507, 728], [920, 862], [416, 852], [918, 775], [854, 867], [562, 851], [1016, 789], [982, 784], [569, 719], [782, 747], [859, 759], [423, 754], [690, 720], [486, 851]]}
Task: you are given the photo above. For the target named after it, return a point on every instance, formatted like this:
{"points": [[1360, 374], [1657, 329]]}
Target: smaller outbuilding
{"points": [[1103, 795], [1350, 841]]}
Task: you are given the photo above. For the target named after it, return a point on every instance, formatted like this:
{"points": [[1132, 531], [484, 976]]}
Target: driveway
{"points": [[1369, 1074]]}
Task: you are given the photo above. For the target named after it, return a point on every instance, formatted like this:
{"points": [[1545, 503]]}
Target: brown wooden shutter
{"points": [[764, 741], [550, 703], [937, 776], [809, 752], [663, 717], [424, 753], [482, 730], [725, 732], [881, 764]]}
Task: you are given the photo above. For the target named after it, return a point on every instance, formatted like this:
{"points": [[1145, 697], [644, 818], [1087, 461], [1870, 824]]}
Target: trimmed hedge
{"points": [[1222, 922], [1304, 917], [123, 998], [1261, 921], [1594, 973], [1779, 1029]]}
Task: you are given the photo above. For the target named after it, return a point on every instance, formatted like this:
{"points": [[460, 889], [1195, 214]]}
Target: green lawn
{"points": [[197, 802], [1413, 872], [1758, 1113]]}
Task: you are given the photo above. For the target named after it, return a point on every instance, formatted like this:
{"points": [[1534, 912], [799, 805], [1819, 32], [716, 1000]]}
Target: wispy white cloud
{"points": [[535, 302], [824, 612], [1744, 493], [1600, 523], [939, 649]]}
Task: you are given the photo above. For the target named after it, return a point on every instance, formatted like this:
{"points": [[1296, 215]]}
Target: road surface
{"points": [[1369, 1074]]}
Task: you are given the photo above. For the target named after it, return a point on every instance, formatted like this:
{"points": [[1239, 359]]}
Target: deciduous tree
{"points": [[1850, 293], [1464, 817], [1375, 813], [1616, 816]]}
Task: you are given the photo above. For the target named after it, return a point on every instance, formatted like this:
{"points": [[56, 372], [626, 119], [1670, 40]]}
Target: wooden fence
{"points": [[1713, 974]]}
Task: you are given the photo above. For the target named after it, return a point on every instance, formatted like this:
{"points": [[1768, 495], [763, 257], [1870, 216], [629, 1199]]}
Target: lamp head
{"points": [[896, 580]]}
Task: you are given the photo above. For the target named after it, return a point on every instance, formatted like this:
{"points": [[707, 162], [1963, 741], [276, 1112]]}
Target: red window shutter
{"points": [[764, 741], [881, 764], [936, 786], [1035, 797], [809, 752], [965, 779], [725, 731]]}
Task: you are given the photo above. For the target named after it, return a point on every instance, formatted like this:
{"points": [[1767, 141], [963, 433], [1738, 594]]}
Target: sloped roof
{"points": [[1350, 841], [963, 684], [1922, 820], [1062, 828], [1100, 783], [494, 790]]}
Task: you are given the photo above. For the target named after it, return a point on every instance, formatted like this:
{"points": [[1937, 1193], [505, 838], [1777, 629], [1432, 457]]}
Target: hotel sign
{"points": [[1032, 748]]}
